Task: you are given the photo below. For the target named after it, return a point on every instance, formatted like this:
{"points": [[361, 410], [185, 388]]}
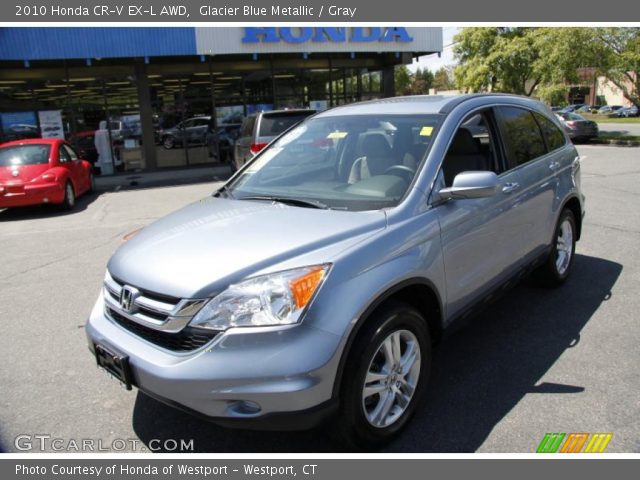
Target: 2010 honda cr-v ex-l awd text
{"points": [[316, 280]]}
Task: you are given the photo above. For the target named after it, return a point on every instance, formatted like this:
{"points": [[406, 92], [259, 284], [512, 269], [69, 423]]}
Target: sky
{"points": [[433, 62]]}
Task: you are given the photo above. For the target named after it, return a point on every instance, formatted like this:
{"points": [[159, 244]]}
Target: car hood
{"points": [[202, 248]]}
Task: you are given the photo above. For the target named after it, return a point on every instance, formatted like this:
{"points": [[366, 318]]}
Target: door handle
{"points": [[510, 187], [554, 165]]}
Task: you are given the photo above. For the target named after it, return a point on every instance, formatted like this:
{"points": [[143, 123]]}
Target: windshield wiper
{"points": [[298, 202]]}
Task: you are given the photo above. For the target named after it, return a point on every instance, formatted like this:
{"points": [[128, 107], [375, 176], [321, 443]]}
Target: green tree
{"points": [[403, 80], [422, 82], [544, 61], [497, 59], [443, 79], [616, 55]]}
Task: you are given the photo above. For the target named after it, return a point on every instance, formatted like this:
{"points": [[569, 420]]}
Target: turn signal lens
{"points": [[131, 234], [302, 288]]}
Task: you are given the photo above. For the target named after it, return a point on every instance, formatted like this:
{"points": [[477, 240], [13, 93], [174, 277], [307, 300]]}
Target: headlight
{"points": [[274, 299]]}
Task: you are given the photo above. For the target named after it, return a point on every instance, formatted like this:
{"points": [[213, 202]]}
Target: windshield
{"points": [[359, 162], [24, 155]]}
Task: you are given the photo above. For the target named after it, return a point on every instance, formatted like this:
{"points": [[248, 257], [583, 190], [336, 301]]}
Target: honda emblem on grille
{"points": [[128, 296]]}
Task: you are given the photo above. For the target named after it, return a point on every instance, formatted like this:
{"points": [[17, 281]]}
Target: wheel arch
{"points": [[419, 293], [573, 204]]}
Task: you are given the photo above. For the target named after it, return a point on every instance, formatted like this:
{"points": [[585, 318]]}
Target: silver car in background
{"points": [[577, 127], [314, 284], [258, 129]]}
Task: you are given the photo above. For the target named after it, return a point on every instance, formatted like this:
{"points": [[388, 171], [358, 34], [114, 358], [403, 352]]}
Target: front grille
{"points": [[149, 294], [185, 340]]}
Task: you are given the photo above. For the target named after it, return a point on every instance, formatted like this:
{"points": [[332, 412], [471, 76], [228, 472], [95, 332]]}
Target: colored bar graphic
{"points": [[550, 442], [598, 442], [573, 442]]}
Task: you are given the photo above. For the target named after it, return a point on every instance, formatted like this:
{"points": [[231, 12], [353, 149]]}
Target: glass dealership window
{"points": [[181, 89], [183, 110], [22, 100]]}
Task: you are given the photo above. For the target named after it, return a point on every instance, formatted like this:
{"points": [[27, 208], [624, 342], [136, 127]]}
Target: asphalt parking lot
{"points": [[537, 361]]}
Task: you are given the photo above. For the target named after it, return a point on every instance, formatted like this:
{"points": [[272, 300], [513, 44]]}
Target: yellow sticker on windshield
{"points": [[337, 134], [426, 131]]}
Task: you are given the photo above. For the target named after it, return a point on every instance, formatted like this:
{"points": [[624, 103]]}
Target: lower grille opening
{"points": [[185, 340]]}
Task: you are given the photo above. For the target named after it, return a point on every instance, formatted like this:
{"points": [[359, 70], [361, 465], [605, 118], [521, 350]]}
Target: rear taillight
{"points": [[572, 124], [257, 147]]}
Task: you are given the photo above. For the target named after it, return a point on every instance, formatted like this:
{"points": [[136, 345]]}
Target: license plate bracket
{"points": [[114, 363]]}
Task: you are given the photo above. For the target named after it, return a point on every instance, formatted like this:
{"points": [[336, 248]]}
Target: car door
{"points": [[480, 237], [199, 130], [69, 160], [64, 160], [184, 130], [527, 153]]}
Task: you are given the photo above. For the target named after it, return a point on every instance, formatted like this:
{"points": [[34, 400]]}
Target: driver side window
{"points": [[473, 148]]}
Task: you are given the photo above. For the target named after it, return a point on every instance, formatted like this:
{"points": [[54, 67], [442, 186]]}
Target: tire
{"points": [[69, 200], [362, 421], [168, 142], [557, 267]]}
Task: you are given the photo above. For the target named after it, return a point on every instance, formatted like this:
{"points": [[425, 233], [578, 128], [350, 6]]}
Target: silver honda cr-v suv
{"points": [[315, 282]]}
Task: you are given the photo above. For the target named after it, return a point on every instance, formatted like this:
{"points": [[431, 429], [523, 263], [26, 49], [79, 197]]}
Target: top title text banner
{"points": [[259, 11]]}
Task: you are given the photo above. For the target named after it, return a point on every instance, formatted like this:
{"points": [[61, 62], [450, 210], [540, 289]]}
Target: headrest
{"points": [[375, 145], [463, 143]]}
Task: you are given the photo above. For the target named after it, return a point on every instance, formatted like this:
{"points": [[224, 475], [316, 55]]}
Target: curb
{"points": [[615, 142], [141, 180]]}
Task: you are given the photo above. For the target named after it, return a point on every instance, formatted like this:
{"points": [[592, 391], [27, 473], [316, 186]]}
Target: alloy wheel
{"points": [[391, 379], [564, 246]]}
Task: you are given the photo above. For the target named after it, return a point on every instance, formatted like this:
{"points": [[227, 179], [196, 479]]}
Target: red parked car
{"points": [[39, 170]]}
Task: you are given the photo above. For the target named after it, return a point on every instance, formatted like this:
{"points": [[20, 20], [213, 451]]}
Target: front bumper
{"points": [[288, 374], [26, 195]]}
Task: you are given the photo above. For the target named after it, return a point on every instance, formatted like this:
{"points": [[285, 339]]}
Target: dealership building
{"points": [[141, 82]]}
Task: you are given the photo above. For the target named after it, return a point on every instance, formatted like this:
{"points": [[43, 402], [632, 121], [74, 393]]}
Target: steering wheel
{"points": [[402, 171]]}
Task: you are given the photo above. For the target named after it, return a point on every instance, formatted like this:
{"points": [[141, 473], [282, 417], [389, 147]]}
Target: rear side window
{"points": [[24, 155], [522, 136], [552, 134], [272, 125]]}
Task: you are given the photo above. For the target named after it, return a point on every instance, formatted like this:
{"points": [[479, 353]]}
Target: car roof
{"points": [[33, 141], [284, 111], [419, 104]]}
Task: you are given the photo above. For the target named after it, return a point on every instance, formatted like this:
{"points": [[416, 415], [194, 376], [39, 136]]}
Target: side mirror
{"points": [[471, 185]]}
